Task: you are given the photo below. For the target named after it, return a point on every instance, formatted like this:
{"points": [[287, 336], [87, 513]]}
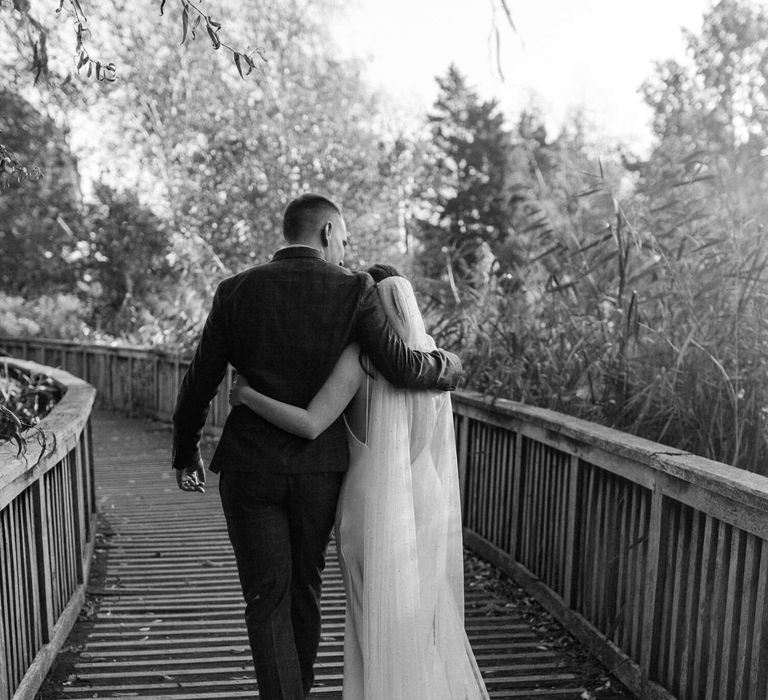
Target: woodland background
{"points": [[628, 291]]}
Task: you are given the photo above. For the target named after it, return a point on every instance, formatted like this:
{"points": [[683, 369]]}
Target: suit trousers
{"points": [[279, 526]]}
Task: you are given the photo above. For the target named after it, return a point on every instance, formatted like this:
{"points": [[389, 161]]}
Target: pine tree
{"points": [[466, 203]]}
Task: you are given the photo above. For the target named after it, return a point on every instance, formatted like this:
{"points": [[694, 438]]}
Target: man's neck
{"points": [[300, 245]]}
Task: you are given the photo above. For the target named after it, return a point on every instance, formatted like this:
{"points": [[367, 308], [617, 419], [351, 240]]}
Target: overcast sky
{"points": [[566, 53]]}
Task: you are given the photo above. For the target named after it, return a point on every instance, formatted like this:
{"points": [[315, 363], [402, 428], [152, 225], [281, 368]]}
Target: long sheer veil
{"points": [[414, 643]]}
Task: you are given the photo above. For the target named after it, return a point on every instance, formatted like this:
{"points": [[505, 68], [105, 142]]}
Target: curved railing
{"points": [[47, 510], [655, 559]]}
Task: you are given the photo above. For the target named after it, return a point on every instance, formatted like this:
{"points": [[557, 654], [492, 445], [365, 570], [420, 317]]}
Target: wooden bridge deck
{"points": [[163, 617]]}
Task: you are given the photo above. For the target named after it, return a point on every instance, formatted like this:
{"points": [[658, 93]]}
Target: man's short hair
{"points": [[304, 213]]}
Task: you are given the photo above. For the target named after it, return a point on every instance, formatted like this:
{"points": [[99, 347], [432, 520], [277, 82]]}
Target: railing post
{"points": [[570, 532], [44, 560], [78, 507], [517, 497], [130, 384], [651, 581], [463, 459], [5, 691]]}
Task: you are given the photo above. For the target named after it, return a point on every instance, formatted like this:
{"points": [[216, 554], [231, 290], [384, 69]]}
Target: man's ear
{"points": [[325, 234]]}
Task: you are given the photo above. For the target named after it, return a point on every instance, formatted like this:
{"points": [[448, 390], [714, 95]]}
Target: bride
{"points": [[398, 523]]}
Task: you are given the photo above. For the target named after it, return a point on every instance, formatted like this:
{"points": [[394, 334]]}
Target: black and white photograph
{"points": [[362, 350]]}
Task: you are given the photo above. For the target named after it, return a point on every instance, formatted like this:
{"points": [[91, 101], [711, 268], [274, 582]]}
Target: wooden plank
{"points": [[598, 617], [712, 687], [34, 608], [528, 473], [19, 628], [625, 669], [619, 624], [628, 456], [5, 687], [757, 674], [719, 506], [516, 497], [649, 634], [142, 626], [701, 648], [748, 619], [733, 594], [463, 458], [663, 613], [571, 537], [688, 631], [505, 503], [669, 657]]}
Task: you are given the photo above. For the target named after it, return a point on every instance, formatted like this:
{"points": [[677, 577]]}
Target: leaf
{"points": [[239, 67], [214, 38], [195, 25], [184, 23]]}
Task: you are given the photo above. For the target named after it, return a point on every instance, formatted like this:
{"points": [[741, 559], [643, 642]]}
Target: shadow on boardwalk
{"points": [[163, 618]]}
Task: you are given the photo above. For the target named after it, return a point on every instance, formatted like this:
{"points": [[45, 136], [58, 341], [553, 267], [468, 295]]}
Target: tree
{"points": [[702, 194], [467, 203], [29, 34], [37, 223], [125, 258], [219, 158]]}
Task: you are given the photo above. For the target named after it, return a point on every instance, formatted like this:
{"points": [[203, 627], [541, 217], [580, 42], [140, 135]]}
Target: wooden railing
{"points": [[655, 559], [47, 510]]}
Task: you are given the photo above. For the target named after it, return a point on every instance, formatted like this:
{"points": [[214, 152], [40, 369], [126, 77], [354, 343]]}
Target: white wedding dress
{"points": [[398, 532]]}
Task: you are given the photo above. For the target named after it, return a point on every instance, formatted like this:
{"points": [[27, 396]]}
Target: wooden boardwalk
{"points": [[164, 613]]}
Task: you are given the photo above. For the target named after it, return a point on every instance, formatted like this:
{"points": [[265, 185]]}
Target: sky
{"points": [[564, 54]]}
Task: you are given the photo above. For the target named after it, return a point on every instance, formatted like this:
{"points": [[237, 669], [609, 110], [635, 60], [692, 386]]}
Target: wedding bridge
{"points": [[655, 561]]}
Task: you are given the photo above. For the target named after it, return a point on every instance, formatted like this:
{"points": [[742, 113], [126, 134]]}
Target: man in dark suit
{"points": [[283, 326]]}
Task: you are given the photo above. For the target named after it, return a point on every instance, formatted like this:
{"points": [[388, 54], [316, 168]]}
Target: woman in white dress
{"points": [[398, 524]]}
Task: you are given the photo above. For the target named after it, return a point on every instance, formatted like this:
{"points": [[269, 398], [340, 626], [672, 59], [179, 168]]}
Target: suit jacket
{"points": [[283, 325]]}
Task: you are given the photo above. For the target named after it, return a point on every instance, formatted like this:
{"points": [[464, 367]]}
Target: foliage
{"points": [[467, 204], [227, 161], [124, 259], [650, 319], [25, 399], [63, 316], [37, 223], [30, 34]]}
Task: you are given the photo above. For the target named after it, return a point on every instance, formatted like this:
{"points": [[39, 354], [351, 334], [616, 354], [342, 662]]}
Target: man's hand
{"points": [[192, 478]]}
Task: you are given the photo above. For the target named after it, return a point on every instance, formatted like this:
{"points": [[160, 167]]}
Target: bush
{"points": [[25, 399]]}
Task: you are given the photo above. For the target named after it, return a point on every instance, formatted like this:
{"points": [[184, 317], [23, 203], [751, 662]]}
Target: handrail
{"points": [[655, 559], [47, 511]]}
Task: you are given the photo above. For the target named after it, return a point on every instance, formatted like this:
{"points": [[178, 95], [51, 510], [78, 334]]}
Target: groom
{"points": [[283, 326]]}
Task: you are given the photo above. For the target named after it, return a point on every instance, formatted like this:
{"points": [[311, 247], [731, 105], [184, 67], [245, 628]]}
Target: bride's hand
{"points": [[235, 391]]}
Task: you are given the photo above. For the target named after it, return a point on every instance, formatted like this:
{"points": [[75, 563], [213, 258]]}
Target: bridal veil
{"points": [[409, 617]]}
